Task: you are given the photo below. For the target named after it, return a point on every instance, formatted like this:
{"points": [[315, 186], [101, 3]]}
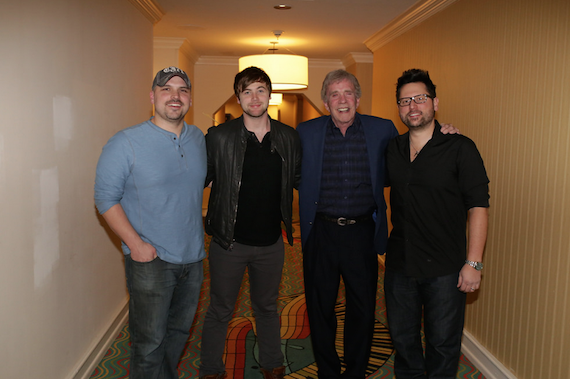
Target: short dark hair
{"points": [[336, 76], [248, 76], [415, 75]]}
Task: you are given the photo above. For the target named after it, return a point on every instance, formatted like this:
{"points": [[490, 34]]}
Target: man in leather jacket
{"points": [[254, 163]]}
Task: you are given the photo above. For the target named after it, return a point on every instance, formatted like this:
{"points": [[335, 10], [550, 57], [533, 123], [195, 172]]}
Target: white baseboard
{"points": [[489, 366], [88, 365]]}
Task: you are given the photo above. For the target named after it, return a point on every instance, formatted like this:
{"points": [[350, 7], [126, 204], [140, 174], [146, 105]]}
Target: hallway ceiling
{"points": [[318, 29]]}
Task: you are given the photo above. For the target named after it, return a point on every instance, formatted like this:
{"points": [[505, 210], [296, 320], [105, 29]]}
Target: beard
{"points": [[173, 114], [419, 122]]}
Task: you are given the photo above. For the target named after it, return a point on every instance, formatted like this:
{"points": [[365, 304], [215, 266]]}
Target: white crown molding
{"points": [[187, 50], [418, 13], [180, 44], [150, 9], [332, 64], [353, 58]]}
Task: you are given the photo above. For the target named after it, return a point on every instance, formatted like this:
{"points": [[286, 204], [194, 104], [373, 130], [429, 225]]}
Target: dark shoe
{"points": [[223, 375], [276, 373]]}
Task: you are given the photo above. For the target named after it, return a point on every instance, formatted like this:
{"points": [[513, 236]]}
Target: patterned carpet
{"points": [[241, 347]]}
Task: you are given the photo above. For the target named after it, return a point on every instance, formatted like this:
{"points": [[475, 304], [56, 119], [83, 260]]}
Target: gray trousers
{"points": [[227, 267]]}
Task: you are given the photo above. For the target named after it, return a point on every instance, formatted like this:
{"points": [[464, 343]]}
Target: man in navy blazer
{"points": [[343, 222], [378, 132]]}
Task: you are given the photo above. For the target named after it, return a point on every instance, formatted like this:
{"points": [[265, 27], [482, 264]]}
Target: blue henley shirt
{"points": [[158, 179]]}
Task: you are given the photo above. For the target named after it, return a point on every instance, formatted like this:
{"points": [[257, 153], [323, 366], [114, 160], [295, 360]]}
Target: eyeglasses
{"points": [[418, 99]]}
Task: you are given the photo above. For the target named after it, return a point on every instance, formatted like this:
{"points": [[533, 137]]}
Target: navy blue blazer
{"points": [[378, 132]]}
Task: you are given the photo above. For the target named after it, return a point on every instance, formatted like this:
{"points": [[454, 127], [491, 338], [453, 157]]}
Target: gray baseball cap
{"points": [[163, 76]]}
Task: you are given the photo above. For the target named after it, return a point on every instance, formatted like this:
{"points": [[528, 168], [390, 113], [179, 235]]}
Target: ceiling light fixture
{"points": [[286, 71], [282, 7]]}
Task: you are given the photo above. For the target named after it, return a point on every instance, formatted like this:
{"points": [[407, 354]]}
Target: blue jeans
{"points": [[443, 309], [227, 267], [163, 301]]}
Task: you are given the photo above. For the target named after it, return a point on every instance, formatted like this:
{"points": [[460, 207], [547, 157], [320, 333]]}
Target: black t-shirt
{"points": [[258, 220]]}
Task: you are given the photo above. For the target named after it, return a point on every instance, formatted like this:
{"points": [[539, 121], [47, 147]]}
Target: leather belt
{"points": [[343, 221]]}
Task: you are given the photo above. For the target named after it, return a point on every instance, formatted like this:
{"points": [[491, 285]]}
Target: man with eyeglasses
{"points": [[438, 186]]}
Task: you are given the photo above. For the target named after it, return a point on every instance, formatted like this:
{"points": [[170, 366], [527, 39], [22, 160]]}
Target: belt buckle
{"points": [[343, 221]]}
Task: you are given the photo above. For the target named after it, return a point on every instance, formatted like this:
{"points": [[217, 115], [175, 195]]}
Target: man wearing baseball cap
{"points": [[148, 187]]}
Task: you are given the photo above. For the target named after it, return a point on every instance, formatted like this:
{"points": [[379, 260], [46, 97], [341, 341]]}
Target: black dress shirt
{"points": [[430, 198]]}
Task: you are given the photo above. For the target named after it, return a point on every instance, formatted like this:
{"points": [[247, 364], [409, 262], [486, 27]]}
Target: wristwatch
{"points": [[476, 265]]}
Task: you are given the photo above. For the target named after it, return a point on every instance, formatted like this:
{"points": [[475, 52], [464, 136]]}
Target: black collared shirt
{"points": [[430, 198], [346, 182], [258, 220]]}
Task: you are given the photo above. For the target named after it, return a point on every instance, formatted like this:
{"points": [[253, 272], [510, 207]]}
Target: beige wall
{"points": [[503, 74], [73, 73]]}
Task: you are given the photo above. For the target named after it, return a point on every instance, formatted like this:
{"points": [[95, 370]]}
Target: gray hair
{"points": [[336, 76]]}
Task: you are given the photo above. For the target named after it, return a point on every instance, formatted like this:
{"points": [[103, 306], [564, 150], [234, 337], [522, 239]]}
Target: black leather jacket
{"points": [[226, 144]]}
